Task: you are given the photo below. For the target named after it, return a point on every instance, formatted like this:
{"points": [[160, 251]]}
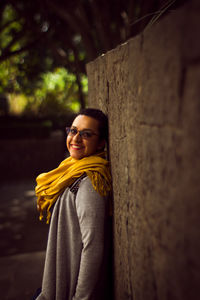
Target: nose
{"points": [[77, 138]]}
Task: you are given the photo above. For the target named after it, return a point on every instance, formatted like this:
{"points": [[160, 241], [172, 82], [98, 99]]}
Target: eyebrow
{"points": [[88, 129]]}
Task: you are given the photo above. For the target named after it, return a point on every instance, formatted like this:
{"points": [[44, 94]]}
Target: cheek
{"points": [[68, 139], [92, 147]]}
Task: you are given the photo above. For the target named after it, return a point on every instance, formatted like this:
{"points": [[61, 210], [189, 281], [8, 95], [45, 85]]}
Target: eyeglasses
{"points": [[85, 134]]}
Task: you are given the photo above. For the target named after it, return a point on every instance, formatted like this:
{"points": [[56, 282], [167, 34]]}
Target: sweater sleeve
{"points": [[91, 214]]}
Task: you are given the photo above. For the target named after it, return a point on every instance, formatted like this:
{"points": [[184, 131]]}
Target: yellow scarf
{"points": [[50, 185]]}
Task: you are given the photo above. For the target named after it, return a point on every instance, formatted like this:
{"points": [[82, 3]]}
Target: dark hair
{"points": [[98, 115]]}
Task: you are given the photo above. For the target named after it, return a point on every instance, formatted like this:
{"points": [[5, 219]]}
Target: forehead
{"points": [[85, 122]]}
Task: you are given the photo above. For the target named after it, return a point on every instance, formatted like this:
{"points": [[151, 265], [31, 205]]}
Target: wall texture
{"points": [[150, 88]]}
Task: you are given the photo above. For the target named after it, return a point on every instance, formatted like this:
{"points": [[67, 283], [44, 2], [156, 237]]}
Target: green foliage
{"points": [[56, 94], [38, 37], [10, 75], [58, 91], [32, 79], [12, 28]]}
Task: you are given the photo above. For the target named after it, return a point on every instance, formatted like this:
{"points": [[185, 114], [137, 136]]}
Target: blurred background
{"points": [[44, 49]]}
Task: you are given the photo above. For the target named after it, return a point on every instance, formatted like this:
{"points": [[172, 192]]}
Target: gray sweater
{"points": [[76, 256]]}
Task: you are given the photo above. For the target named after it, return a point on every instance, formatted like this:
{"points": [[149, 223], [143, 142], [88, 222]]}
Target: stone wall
{"points": [[150, 88]]}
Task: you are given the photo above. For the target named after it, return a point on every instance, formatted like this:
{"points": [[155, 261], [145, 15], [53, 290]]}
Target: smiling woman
{"points": [[76, 198], [83, 138]]}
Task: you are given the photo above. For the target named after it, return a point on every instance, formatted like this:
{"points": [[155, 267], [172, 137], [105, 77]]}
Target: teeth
{"points": [[76, 147]]}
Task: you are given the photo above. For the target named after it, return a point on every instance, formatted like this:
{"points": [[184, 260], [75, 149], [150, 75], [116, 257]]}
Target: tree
{"points": [[41, 35]]}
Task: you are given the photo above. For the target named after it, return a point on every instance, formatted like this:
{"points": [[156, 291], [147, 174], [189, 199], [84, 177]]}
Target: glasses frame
{"points": [[80, 132]]}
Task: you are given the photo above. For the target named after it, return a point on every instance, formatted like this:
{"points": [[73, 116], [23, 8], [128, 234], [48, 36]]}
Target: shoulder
{"points": [[89, 203], [75, 186], [86, 189], [88, 197], [86, 184], [83, 184]]}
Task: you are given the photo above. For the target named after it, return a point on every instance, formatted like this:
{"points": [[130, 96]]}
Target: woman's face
{"points": [[80, 147]]}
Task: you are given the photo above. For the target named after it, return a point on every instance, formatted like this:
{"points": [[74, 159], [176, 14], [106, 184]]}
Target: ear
{"points": [[101, 145]]}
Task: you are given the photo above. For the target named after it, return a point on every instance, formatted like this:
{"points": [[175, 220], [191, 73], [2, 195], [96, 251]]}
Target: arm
{"points": [[91, 214]]}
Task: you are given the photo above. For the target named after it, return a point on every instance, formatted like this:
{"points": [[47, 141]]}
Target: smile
{"points": [[76, 147]]}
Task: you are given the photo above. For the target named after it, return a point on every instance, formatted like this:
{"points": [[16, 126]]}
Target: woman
{"points": [[78, 191]]}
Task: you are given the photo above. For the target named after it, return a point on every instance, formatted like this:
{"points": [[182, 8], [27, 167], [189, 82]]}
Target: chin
{"points": [[76, 156]]}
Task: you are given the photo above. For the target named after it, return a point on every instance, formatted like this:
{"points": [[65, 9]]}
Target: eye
{"points": [[86, 134], [73, 131]]}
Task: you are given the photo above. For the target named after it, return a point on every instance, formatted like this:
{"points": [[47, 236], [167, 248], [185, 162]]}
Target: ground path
{"points": [[22, 241]]}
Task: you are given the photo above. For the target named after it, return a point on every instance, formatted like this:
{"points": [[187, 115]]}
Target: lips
{"points": [[75, 147]]}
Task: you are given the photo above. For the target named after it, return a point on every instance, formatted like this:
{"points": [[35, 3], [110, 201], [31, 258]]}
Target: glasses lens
{"points": [[83, 133], [86, 134], [71, 131]]}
